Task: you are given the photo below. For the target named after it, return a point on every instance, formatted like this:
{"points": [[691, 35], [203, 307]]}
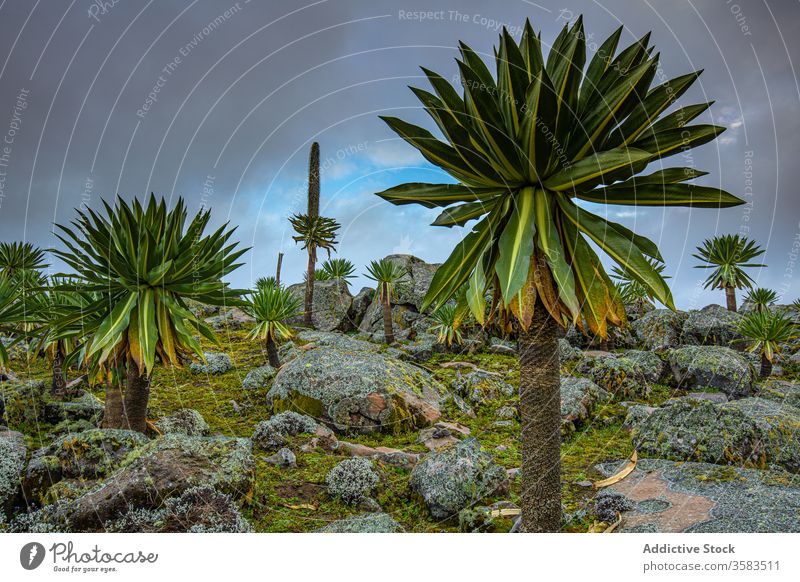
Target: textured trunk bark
{"points": [[540, 411], [766, 367], [388, 332], [308, 316], [313, 180], [113, 413], [59, 384], [730, 297], [137, 395], [278, 270], [272, 353]]}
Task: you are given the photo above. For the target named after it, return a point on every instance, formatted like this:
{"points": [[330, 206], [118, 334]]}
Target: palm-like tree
{"points": [[271, 307], [19, 256], [761, 299], [147, 262], [339, 269], [631, 290], [767, 333], [729, 255], [387, 274], [314, 232], [522, 147]]}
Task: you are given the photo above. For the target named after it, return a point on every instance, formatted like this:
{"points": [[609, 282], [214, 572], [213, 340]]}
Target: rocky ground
{"points": [[350, 435]]}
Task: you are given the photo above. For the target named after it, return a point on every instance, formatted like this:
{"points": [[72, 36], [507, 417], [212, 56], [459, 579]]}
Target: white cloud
{"points": [[393, 154]]}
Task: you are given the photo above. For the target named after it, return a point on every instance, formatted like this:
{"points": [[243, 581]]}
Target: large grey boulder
{"points": [[412, 288], [331, 305], [361, 302], [713, 325], [13, 451], [579, 397], [480, 386], [781, 391], [357, 391], [85, 456], [163, 468], [651, 365], [712, 367], [659, 329], [750, 431], [621, 377], [456, 477]]}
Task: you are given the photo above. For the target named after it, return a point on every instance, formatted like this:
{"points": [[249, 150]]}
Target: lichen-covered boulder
{"points": [[331, 305], [85, 407], [352, 480], [364, 523], [650, 364], [621, 377], [271, 434], [201, 509], [215, 364], [184, 421], [332, 339], [13, 451], [567, 352], [357, 391], [22, 403], [711, 367], [659, 329], [413, 286], [781, 391], [88, 455], [422, 348], [480, 386], [713, 325], [259, 377], [579, 397], [161, 469], [231, 318], [456, 477], [751, 431]]}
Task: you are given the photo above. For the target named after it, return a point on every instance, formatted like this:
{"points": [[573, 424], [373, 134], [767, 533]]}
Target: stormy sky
{"points": [[219, 102]]}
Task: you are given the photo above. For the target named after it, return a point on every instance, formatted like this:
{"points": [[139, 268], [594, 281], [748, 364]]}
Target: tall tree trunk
{"points": [[137, 395], [278, 270], [766, 367], [272, 353], [59, 384], [730, 297], [113, 413], [308, 318], [540, 411], [388, 332]]}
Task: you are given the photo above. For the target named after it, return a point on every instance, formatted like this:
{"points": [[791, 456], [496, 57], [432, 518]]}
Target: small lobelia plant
{"points": [[388, 275], [339, 269], [271, 306], [761, 299], [767, 332]]}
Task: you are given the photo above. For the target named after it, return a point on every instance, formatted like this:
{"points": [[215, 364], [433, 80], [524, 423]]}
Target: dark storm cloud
{"points": [[219, 101]]}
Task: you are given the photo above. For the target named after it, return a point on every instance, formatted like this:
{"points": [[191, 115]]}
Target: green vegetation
{"points": [[338, 269], [387, 275], [729, 256], [761, 299], [633, 293], [767, 332], [271, 307], [521, 146]]}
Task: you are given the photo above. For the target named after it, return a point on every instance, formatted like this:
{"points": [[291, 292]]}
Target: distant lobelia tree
{"points": [[761, 299], [147, 262], [313, 231], [272, 306], [338, 270], [767, 333], [387, 274], [632, 292], [729, 255], [523, 147]]}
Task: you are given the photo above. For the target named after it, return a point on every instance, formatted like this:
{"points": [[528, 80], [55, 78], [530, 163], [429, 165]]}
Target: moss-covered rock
{"points": [[271, 434], [480, 386], [215, 364], [579, 397], [161, 469], [651, 365], [456, 477], [621, 377], [22, 403], [357, 391], [781, 391], [86, 407], [184, 421], [713, 325], [364, 523], [712, 367], [331, 306], [352, 480], [259, 377], [88, 455], [778, 427], [659, 329]]}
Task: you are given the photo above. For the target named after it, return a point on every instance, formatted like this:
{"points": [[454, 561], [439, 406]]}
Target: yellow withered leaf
{"points": [[619, 476]]}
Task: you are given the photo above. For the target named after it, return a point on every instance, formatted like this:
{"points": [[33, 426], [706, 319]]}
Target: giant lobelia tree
{"points": [[146, 262], [314, 232], [729, 255], [525, 144]]}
